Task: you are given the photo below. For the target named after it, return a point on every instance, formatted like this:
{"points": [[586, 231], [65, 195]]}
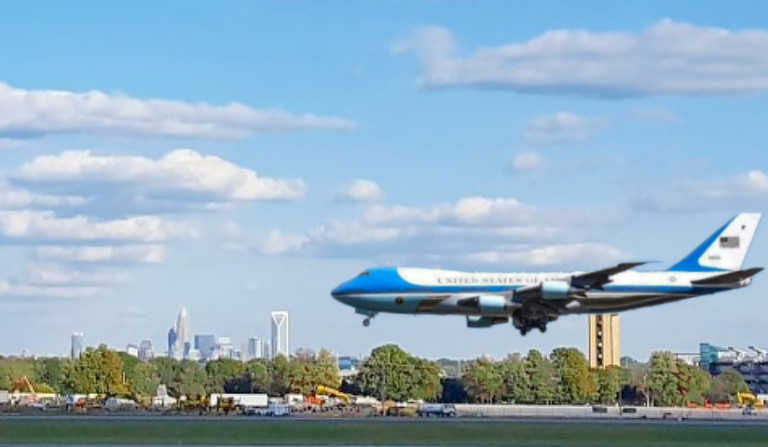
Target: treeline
{"points": [[566, 378], [104, 371], [389, 373]]}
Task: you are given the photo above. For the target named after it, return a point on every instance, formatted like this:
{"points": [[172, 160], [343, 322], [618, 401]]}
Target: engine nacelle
{"points": [[555, 290], [477, 321], [486, 304]]}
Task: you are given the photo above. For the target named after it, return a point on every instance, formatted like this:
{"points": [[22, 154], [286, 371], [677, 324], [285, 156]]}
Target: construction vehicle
{"points": [[749, 402], [327, 391], [19, 385]]}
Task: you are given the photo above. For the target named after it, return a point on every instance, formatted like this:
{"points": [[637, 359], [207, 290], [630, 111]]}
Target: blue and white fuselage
{"points": [[534, 299]]}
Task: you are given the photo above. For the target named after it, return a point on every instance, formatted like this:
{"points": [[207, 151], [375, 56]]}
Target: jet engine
{"points": [[554, 290], [486, 304], [477, 321]]}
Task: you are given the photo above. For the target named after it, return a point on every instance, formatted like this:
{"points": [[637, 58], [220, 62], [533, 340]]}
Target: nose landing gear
{"points": [[367, 322], [368, 315]]}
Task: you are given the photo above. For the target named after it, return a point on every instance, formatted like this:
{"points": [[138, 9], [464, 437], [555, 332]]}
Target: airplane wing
{"points": [[598, 278]]}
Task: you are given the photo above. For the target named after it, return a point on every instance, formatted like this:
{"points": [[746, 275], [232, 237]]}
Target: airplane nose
{"points": [[338, 292]]}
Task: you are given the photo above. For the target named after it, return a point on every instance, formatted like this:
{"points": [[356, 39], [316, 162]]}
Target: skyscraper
{"points": [[280, 334], [172, 343], [145, 350], [255, 349], [76, 345], [206, 344], [603, 340], [182, 334]]}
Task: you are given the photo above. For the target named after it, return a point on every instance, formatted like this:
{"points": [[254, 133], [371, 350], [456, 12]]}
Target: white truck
{"points": [[436, 410]]}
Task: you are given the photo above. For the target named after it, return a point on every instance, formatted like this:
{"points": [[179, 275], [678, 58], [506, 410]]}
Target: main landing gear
{"points": [[525, 323]]}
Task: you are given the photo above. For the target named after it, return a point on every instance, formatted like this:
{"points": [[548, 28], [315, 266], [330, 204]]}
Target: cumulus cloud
{"points": [[52, 275], [181, 174], [360, 191], [561, 127], [493, 230], [20, 290], [140, 254], [734, 193], [17, 198], [527, 162], [32, 113], [668, 57], [37, 226]]}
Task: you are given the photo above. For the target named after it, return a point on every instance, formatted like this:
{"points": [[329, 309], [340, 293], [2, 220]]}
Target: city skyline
{"points": [[222, 162]]}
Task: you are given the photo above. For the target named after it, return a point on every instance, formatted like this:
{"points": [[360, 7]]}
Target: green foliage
{"points": [[12, 370], [517, 386], [222, 375], [391, 373], [279, 376], [539, 373], [484, 381], [54, 372], [575, 383], [98, 371], [609, 383], [662, 380], [726, 385]]}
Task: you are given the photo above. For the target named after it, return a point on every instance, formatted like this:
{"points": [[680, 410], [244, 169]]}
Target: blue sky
{"points": [[240, 157]]}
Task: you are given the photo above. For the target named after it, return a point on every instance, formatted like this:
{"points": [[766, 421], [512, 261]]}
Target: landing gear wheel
{"points": [[367, 322], [543, 327], [523, 331]]}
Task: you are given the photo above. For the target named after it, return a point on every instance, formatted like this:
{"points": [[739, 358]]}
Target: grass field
{"points": [[413, 432]]}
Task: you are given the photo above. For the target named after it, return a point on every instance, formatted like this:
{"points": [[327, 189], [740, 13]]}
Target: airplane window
{"points": [[365, 273]]}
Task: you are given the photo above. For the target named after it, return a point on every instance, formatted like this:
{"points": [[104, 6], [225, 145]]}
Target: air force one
{"points": [[532, 300]]}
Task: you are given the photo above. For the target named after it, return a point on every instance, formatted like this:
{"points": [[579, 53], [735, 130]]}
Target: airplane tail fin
{"points": [[725, 249]]}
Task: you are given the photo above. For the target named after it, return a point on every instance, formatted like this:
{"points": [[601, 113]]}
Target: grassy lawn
{"points": [[228, 431]]}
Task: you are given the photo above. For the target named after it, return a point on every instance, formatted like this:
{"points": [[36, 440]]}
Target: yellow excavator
{"points": [[748, 400], [324, 390]]}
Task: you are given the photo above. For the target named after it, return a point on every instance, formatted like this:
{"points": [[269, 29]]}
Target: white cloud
{"points": [[549, 255], [26, 113], [494, 230], [360, 191], [277, 242], [527, 161], [561, 127], [57, 275], [184, 174], [15, 198], [734, 193], [13, 290], [46, 226], [666, 58], [143, 254]]}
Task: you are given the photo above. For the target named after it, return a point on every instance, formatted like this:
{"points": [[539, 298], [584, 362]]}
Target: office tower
{"points": [[172, 343], [76, 345], [132, 350], [225, 348], [280, 334], [206, 345], [182, 334], [194, 355], [255, 348], [146, 352], [603, 340]]}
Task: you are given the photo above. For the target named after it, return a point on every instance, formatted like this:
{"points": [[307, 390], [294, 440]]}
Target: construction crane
{"points": [[22, 383], [324, 390]]}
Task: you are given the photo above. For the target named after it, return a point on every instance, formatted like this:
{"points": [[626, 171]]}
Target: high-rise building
{"points": [[183, 335], [280, 334], [132, 350], [225, 348], [255, 348], [172, 343], [146, 352], [206, 345], [604, 341], [76, 345]]}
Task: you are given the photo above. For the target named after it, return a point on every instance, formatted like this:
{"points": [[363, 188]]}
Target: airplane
{"points": [[532, 300]]}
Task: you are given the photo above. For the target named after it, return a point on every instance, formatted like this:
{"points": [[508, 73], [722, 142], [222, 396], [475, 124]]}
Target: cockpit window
{"points": [[365, 273]]}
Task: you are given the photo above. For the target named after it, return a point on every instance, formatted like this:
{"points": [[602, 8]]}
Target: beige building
{"points": [[604, 348]]}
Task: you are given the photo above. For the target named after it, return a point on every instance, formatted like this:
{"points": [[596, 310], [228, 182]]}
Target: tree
{"points": [[390, 373], [725, 385], [662, 380], [54, 372], [539, 376], [258, 373], [327, 369], [609, 384], [575, 383], [483, 381], [140, 377], [426, 380], [98, 371], [517, 387], [164, 370], [278, 376], [224, 376]]}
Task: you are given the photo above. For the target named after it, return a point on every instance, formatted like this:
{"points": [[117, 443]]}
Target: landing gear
{"points": [[367, 322], [542, 327], [525, 322]]}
